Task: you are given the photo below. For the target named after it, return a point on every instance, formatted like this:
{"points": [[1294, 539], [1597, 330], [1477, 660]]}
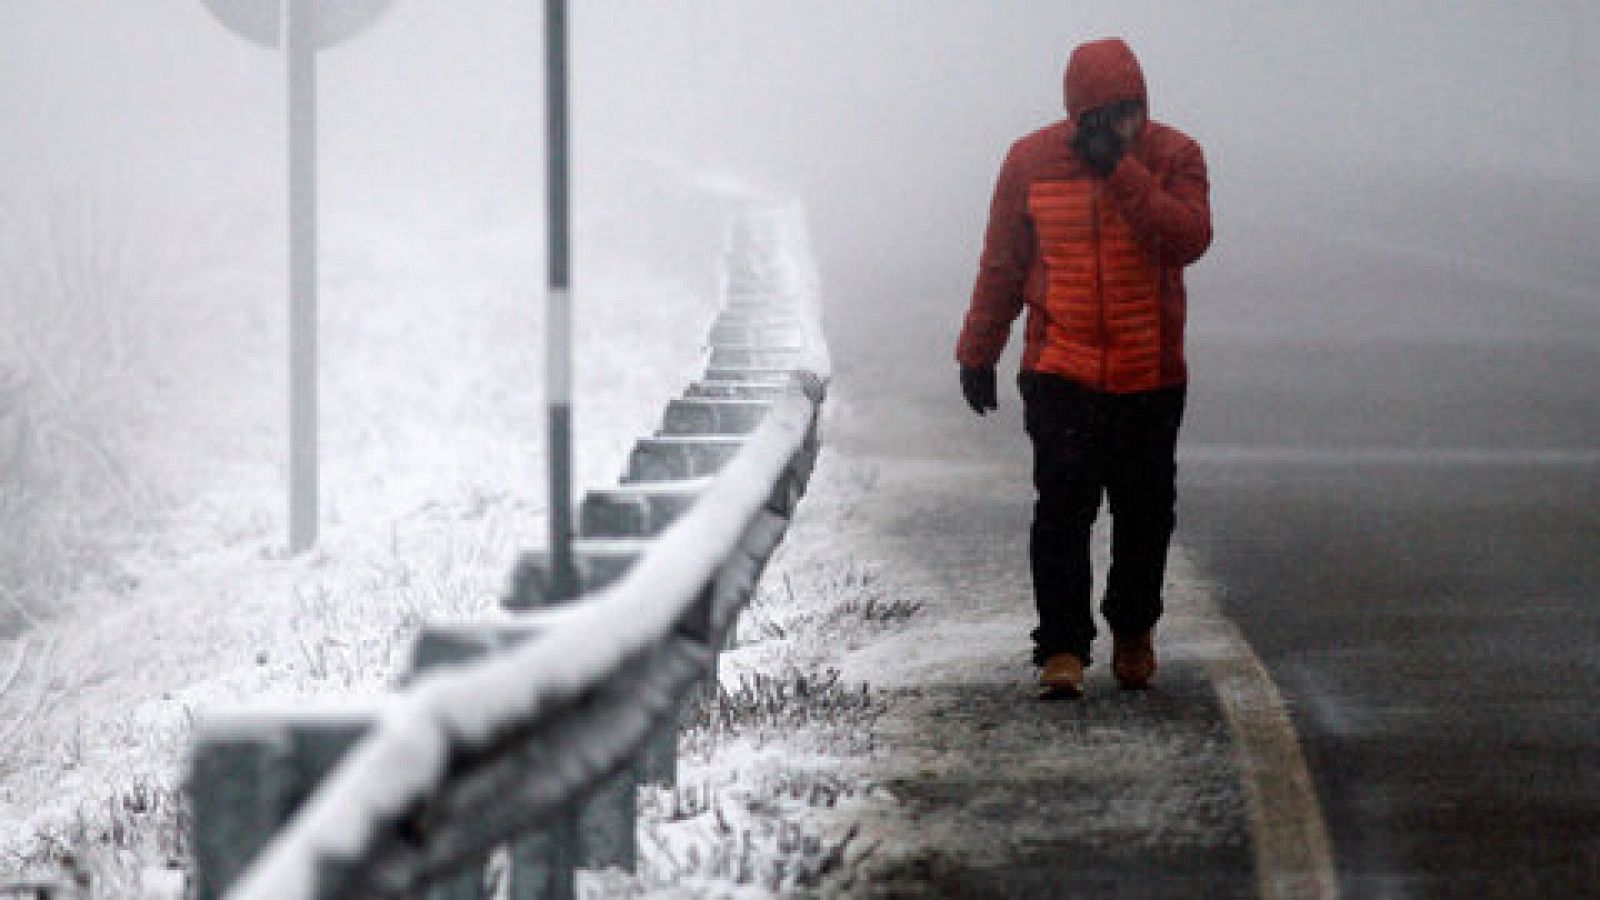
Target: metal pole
{"points": [[558, 320], [301, 52]]}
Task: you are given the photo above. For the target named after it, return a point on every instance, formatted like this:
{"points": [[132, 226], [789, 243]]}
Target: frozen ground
{"points": [[879, 733]]}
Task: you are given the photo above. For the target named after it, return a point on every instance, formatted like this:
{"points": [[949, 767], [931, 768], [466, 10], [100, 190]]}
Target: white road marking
{"points": [[1390, 456], [1294, 857]]}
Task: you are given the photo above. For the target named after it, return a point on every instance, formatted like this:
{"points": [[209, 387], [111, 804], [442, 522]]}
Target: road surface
{"points": [[1406, 517]]}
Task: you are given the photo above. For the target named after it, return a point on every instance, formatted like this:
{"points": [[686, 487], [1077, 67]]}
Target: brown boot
{"points": [[1133, 660], [1062, 675]]}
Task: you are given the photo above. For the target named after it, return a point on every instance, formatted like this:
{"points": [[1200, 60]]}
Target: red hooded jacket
{"points": [[1097, 262]]}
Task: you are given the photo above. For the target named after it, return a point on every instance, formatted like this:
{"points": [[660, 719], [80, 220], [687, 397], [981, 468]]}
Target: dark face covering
{"points": [[1111, 114]]}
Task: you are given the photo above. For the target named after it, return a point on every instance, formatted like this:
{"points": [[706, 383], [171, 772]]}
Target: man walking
{"points": [[1093, 219]]}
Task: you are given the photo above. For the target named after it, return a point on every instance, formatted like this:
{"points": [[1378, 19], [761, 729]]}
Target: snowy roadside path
{"points": [[949, 778], [1000, 794]]}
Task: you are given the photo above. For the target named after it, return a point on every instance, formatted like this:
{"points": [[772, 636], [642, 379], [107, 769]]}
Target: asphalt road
{"points": [[1427, 604], [1396, 478], [1392, 468]]}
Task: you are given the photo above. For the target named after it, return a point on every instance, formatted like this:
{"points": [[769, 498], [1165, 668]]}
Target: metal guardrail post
{"points": [[544, 866], [700, 626], [607, 822], [730, 356], [433, 649], [637, 510], [672, 458], [706, 416], [599, 561], [734, 390], [541, 864], [249, 774], [599, 833], [236, 787]]}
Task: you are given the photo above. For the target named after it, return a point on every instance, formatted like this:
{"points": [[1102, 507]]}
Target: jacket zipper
{"points": [[1099, 283]]}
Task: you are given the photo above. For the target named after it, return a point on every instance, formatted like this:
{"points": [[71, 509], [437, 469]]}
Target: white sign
{"points": [[261, 21]]}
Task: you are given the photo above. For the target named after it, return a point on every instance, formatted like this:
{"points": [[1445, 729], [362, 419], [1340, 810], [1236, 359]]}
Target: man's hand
{"points": [[1098, 143], [978, 386], [1105, 133]]}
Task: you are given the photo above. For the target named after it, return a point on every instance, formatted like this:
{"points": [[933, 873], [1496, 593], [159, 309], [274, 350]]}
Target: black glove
{"points": [[978, 386], [1097, 143]]}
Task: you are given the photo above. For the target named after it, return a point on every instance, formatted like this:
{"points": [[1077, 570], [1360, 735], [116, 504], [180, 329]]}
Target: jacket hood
{"points": [[1102, 72]]}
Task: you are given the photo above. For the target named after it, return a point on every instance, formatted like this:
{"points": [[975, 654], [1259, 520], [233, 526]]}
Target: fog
{"points": [[1405, 269], [888, 119], [1463, 132], [882, 95], [889, 98]]}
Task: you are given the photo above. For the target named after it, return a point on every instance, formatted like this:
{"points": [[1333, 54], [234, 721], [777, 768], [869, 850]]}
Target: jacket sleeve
{"points": [[1171, 216], [997, 297]]}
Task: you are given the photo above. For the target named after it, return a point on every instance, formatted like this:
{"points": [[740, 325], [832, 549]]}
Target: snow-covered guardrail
{"points": [[529, 735]]}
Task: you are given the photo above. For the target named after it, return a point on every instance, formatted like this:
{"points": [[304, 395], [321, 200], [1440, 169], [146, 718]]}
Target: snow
{"points": [[402, 759], [429, 500], [433, 453]]}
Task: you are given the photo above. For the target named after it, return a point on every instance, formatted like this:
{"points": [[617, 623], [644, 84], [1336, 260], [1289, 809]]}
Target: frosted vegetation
{"points": [[771, 795], [142, 431], [73, 290], [146, 406]]}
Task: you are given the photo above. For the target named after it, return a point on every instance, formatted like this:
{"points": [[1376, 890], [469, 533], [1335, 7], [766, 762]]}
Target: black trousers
{"points": [[1087, 444]]}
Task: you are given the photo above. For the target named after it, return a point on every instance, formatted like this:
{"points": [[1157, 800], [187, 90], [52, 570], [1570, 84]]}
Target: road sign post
{"points": [[301, 27], [301, 51], [558, 317]]}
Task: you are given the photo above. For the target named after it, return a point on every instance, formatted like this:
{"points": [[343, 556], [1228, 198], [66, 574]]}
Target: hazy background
{"points": [[902, 101], [897, 110], [144, 151]]}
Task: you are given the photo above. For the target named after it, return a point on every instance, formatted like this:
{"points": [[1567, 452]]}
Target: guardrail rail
{"points": [[530, 734]]}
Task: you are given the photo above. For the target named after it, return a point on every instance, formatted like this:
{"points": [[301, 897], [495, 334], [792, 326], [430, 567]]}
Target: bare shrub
{"points": [[104, 850], [768, 705], [72, 287], [763, 838], [824, 600]]}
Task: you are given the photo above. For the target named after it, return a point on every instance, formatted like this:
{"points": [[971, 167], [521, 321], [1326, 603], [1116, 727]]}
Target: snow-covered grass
{"points": [[73, 283], [432, 476], [764, 705], [767, 801]]}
